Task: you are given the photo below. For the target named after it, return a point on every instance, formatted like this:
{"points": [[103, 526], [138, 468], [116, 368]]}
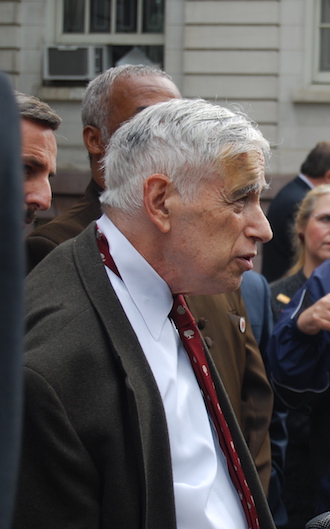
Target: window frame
{"points": [[318, 76], [111, 38]]}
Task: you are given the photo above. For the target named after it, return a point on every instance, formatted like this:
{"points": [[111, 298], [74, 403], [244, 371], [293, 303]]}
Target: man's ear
{"points": [[157, 190], [93, 140]]}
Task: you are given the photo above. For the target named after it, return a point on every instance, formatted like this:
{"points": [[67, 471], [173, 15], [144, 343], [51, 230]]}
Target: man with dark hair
{"points": [[39, 149], [278, 253]]}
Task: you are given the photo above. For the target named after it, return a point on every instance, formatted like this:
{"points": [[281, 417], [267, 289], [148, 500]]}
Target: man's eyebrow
{"points": [[252, 188], [33, 161]]}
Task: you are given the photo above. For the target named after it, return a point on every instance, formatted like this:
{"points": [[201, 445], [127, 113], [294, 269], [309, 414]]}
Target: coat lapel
{"points": [[145, 403]]}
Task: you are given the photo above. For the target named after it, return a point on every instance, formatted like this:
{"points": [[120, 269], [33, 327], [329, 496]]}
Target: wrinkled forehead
{"points": [[244, 172]]}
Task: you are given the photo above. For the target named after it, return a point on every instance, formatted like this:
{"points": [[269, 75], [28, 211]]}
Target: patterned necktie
{"points": [[192, 343]]}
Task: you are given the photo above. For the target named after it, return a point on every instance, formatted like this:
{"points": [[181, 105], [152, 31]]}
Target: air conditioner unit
{"points": [[74, 63]]}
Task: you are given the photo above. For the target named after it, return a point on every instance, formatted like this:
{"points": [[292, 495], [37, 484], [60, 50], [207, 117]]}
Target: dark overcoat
{"points": [[96, 451]]}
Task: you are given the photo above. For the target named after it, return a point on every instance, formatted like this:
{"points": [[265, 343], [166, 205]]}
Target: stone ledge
{"points": [[314, 94], [52, 93]]}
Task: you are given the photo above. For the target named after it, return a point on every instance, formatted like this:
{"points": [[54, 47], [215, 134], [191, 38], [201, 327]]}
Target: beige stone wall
{"points": [[254, 53], [10, 38]]}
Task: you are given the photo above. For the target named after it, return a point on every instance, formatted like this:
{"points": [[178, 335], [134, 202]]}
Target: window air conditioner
{"points": [[74, 63]]}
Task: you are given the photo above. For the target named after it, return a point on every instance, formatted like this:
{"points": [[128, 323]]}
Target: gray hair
{"points": [[34, 109], [96, 104], [187, 140]]}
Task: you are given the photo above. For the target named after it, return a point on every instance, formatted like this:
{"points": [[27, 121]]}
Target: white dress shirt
{"points": [[205, 497]]}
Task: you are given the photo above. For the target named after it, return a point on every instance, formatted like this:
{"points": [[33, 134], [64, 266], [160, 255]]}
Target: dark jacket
{"points": [[242, 369], [96, 449], [300, 363], [44, 239], [277, 254]]}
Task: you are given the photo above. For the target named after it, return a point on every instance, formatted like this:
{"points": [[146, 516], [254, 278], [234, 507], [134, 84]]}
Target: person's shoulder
{"points": [[69, 224], [73, 221], [290, 193], [283, 290], [252, 280], [215, 304], [288, 284], [57, 258], [294, 185], [319, 282], [254, 277]]}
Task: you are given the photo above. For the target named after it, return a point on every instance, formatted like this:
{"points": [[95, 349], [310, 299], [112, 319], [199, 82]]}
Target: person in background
{"points": [[27, 134], [299, 361], [111, 99], [257, 298], [39, 150], [278, 253], [256, 295], [117, 432], [311, 241]]}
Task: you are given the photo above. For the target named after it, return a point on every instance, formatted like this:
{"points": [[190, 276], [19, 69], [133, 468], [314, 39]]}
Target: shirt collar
{"points": [[148, 291], [306, 180]]}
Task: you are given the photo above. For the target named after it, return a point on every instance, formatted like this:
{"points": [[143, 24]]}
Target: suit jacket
{"points": [[96, 450], [278, 253], [241, 369]]}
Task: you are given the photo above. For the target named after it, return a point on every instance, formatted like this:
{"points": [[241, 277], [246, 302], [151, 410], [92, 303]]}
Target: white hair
{"points": [[187, 140], [97, 106]]}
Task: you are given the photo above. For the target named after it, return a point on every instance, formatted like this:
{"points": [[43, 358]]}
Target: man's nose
{"points": [[41, 195], [259, 227]]}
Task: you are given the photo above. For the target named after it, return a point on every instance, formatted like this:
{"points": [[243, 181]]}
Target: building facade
{"points": [[271, 57]]}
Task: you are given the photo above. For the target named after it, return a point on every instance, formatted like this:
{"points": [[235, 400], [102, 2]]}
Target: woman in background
{"points": [[311, 234]]}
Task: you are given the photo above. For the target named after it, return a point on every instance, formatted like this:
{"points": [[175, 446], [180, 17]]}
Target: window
{"points": [[113, 16], [130, 31], [322, 42]]}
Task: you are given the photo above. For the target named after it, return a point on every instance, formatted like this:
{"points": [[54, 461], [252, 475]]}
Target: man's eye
{"points": [[27, 169], [242, 199]]}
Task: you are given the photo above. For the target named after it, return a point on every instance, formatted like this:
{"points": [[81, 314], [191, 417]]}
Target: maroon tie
{"points": [[193, 345]]}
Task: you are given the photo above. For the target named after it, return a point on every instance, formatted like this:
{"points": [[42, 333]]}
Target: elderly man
{"points": [[117, 431], [110, 99], [39, 149]]}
